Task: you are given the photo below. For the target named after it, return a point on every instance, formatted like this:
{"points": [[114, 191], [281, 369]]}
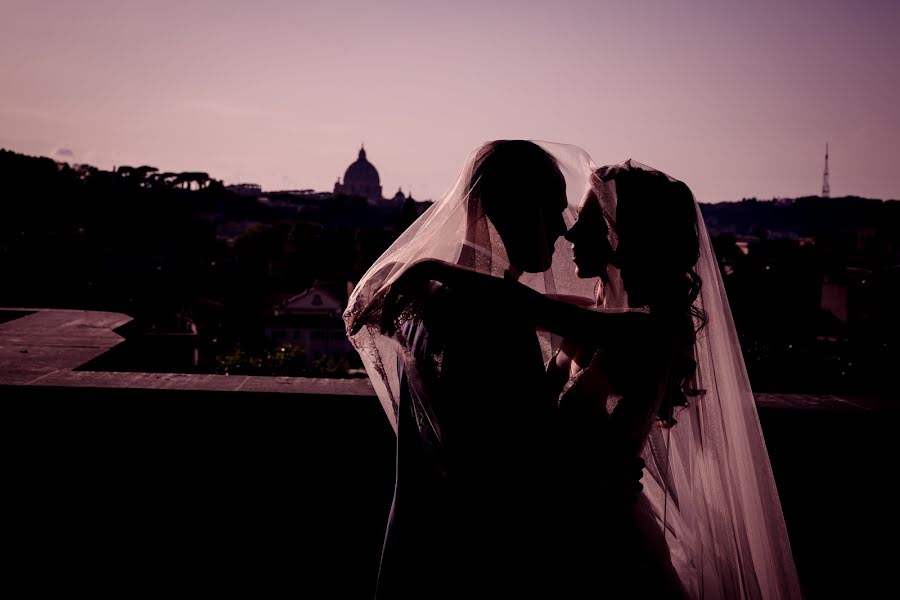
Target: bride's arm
{"points": [[562, 318], [575, 323]]}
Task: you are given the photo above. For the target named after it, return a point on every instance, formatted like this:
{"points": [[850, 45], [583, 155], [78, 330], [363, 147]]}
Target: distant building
{"points": [[400, 197], [312, 320], [361, 179], [860, 296], [245, 189], [835, 298], [865, 236]]}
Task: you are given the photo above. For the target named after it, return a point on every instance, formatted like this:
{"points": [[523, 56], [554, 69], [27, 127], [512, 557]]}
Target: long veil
{"points": [[708, 477]]}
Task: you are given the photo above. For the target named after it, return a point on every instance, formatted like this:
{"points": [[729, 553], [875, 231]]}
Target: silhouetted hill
{"points": [[807, 216]]}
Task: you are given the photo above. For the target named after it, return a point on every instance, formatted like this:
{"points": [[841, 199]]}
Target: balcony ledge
{"points": [[46, 346]]}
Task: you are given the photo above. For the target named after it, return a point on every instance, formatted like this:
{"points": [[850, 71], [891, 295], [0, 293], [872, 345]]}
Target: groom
{"points": [[470, 513]]}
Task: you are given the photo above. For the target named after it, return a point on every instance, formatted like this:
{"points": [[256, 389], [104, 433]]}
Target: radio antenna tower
{"points": [[826, 188]]}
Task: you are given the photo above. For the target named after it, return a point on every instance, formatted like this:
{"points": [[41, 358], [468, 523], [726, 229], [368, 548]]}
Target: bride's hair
{"points": [[657, 254]]}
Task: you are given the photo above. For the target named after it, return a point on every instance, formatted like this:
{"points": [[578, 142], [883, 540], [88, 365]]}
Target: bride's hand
{"points": [[363, 318], [410, 285], [387, 303]]}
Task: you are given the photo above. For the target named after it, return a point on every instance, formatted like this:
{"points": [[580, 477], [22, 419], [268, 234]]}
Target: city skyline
{"points": [[737, 102]]}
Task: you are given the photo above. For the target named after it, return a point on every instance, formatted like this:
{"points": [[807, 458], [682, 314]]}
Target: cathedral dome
{"points": [[362, 172], [361, 179]]}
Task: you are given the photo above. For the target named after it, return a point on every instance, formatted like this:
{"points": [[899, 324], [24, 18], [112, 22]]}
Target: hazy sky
{"points": [[735, 98]]}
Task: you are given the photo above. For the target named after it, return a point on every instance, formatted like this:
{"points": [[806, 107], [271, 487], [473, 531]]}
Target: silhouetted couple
{"points": [[526, 392]]}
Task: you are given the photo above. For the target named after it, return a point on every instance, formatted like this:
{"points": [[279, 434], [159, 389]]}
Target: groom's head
{"points": [[523, 194]]}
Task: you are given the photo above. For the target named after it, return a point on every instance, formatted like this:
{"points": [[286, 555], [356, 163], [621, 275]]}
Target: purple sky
{"points": [[736, 99]]}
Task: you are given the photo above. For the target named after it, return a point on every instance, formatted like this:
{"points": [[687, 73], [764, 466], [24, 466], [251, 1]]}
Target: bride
{"points": [[708, 523], [710, 484], [613, 393]]}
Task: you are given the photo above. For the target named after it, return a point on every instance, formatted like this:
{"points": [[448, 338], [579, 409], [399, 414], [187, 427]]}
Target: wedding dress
{"points": [[708, 481]]}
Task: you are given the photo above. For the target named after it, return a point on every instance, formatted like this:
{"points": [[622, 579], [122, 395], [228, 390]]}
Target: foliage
{"points": [[283, 360]]}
